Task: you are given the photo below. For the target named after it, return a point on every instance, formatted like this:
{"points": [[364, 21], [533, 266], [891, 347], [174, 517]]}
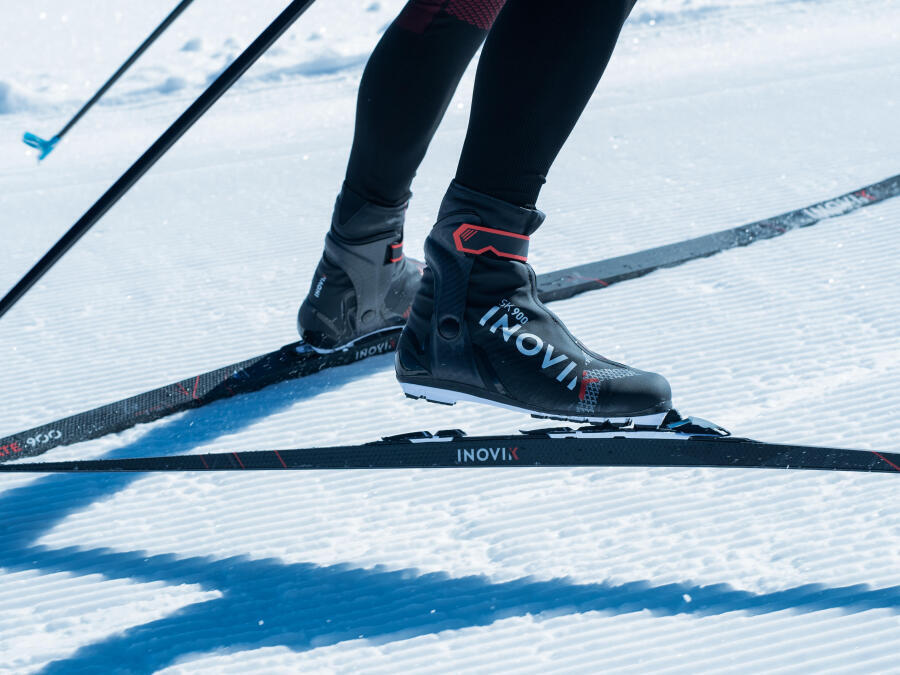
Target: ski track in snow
{"points": [[711, 115]]}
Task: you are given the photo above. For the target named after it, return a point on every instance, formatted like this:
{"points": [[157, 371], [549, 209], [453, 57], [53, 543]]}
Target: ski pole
{"points": [[45, 147], [162, 144]]}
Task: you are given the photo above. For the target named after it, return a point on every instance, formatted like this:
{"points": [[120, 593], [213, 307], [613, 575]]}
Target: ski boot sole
{"points": [[452, 397]]}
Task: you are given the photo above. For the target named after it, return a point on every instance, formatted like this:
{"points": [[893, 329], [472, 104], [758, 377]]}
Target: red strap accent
{"points": [[394, 252], [478, 239]]}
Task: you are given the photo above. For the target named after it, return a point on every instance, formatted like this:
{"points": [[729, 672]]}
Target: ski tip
{"points": [[44, 147]]}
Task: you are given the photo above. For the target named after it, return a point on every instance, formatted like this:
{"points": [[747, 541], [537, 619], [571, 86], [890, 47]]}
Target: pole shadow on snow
{"points": [[302, 606]]}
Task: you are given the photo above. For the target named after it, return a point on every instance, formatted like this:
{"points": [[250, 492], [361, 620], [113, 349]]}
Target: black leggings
{"points": [[540, 64]]}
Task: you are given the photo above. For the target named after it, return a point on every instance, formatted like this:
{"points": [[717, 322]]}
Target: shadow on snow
{"points": [[28, 512], [302, 606]]}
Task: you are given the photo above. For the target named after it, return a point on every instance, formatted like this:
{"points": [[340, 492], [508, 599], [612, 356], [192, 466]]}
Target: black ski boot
{"points": [[363, 284], [477, 331]]}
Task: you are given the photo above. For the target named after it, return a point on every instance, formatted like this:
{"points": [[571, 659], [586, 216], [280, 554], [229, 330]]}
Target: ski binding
{"points": [[670, 425]]}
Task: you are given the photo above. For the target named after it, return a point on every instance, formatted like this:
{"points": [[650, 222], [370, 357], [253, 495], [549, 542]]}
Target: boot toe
{"points": [[650, 392], [643, 393]]}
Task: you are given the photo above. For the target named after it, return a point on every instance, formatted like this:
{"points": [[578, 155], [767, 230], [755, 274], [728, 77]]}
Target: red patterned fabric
{"points": [[417, 15], [479, 13]]}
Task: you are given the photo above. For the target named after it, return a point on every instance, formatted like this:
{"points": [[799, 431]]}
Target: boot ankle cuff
{"points": [[484, 210], [370, 222]]}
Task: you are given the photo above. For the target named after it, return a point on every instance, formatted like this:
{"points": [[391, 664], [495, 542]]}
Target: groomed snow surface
{"points": [[711, 114]]}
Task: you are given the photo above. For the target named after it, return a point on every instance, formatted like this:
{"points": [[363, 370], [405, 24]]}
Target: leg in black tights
{"points": [[405, 90], [363, 285], [477, 331], [538, 69]]}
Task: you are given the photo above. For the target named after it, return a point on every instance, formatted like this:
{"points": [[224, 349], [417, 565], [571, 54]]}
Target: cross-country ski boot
{"points": [[477, 331], [363, 284]]}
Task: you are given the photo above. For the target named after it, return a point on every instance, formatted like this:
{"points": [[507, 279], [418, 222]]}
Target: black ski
{"points": [[297, 360], [291, 361], [683, 443], [574, 280]]}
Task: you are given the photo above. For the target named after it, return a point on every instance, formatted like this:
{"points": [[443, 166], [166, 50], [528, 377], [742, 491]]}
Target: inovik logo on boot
{"points": [[529, 344], [319, 287]]}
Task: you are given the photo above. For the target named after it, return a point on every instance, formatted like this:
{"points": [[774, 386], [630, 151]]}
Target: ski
{"points": [[676, 442], [297, 360], [292, 361], [574, 280]]}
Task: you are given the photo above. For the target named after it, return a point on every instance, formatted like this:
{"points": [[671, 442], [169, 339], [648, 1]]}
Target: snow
{"points": [[711, 114]]}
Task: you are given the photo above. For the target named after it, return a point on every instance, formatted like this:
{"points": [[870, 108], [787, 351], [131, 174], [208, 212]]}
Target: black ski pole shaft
{"points": [[169, 137], [46, 146]]}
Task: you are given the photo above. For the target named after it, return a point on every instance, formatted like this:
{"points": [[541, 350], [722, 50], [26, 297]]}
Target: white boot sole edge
{"points": [[449, 397]]}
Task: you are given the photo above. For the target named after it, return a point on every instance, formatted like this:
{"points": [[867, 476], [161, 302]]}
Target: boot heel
{"points": [[417, 391]]}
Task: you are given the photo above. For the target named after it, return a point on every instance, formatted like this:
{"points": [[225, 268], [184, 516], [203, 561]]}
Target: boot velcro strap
{"points": [[478, 240], [394, 253]]}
